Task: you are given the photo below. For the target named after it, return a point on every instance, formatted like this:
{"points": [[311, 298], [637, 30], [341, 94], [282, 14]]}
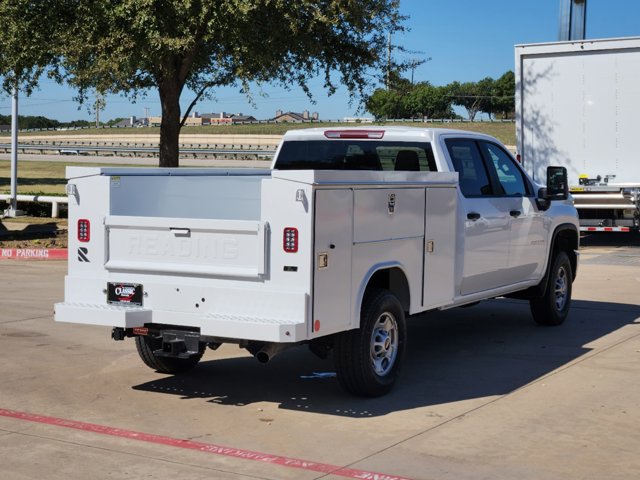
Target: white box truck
{"points": [[578, 105], [350, 231]]}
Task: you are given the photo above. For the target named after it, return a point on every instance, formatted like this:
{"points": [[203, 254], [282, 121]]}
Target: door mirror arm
{"points": [[542, 200]]}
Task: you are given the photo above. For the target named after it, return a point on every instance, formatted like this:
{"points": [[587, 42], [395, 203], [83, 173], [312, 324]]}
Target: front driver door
{"points": [[486, 220]]}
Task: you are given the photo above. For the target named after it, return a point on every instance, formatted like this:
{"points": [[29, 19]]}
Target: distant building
{"points": [[294, 117], [5, 128], [224, 118], [199, 119], [132, 122]]}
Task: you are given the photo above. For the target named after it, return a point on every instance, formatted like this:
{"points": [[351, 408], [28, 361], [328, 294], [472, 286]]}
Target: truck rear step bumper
{"points": [[108, 315], [254, 328], [245, 327]]}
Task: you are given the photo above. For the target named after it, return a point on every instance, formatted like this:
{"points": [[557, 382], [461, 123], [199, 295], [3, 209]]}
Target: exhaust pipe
{"points": [[270, 350]]}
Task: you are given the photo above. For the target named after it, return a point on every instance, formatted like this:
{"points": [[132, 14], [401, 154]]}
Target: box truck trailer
{"points": [[578, 105]]}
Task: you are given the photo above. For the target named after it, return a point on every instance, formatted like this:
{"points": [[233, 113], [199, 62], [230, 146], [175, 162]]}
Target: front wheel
{"points": [[147, 344], [368, 359], [553, 307]]}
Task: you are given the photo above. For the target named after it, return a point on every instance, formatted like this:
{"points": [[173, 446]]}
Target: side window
{"points": [[468, 162], [509, 176]]}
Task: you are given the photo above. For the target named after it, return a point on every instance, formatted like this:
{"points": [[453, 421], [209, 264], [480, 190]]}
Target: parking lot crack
{"points": [[137, 455], [25, 319]]}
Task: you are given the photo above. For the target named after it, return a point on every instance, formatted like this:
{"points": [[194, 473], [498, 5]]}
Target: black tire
{"points": [[368, 359], [553, 307], [146, 344]]}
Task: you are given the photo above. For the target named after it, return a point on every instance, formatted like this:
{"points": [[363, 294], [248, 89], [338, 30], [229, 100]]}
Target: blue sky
{"points": [[466, 39]]}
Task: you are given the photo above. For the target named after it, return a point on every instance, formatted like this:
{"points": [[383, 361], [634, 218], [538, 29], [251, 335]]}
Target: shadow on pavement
{"points": [[606, 239], [27, 232], [491, 349]]}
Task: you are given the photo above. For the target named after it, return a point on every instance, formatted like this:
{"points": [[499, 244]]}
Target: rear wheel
{"points": [[368, 359], [147, 344], [553, 307]]}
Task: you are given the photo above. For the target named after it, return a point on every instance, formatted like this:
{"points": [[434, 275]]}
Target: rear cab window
{"points": [[356, 155]]}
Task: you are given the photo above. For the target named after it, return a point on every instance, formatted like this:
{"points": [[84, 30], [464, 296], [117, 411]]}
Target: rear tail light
{"points": [[84, 230], [290, 240]]}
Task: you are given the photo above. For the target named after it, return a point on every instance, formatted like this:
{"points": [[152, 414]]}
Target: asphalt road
{"points": [[485, 393]]}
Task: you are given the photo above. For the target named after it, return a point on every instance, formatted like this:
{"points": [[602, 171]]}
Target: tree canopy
{"points": [[132, 46], [424, 100]]}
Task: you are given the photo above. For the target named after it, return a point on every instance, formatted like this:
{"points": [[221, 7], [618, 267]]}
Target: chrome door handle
{"points": [[473, 216], [515, 213]]}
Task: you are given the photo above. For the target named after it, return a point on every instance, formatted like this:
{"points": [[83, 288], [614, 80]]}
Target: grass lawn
{"points": [[505, 132], [38, 178], [47, 178]]}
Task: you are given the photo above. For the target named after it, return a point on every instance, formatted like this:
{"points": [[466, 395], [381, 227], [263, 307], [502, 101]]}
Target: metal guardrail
{"points": [[74, 149], [54, 201], [272, 122]]}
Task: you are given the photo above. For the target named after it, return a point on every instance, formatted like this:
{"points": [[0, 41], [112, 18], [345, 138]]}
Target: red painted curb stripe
{"points": [[33, 254], [203, 447]]}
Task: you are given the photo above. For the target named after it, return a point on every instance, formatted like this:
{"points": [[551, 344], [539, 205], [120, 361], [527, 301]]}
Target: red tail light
{"points": [[290, 240], [370, 134], [84, 230]]}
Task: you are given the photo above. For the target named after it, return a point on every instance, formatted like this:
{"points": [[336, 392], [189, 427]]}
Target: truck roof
{"points": [[373, 132]]}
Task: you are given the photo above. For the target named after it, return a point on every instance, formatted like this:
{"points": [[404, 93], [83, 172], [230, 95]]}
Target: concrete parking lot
{"points": [[485, 393]]}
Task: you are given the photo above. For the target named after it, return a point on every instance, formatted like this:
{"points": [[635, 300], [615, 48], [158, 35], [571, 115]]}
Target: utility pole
{"points": [[13, 211], [573, 20], [388, 60], [99, 105], [415, 62]]}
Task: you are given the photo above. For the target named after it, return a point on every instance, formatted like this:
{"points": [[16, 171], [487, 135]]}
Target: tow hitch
{"points": [[179, 344]]}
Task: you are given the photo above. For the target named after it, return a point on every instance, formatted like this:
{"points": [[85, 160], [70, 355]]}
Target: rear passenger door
{"points": [[486, 220]]}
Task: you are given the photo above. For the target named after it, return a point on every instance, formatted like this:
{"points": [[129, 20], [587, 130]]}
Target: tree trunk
{"points": [[170, 124]]}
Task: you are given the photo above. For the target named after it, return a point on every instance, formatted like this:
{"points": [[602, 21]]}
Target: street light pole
{"points": [[13, 211]]}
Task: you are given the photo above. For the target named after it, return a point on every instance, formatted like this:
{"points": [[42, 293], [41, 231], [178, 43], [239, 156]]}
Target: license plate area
{"points": [[124, 294]]}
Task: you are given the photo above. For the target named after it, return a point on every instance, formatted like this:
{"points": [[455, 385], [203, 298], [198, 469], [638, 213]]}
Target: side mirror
{"points": [[557, 187]]}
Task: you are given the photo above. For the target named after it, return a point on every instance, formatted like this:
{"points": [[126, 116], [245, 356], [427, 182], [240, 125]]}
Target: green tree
{"points": [[428, 101], [131, 46], [474, 97], [504, 91], [27, 41], [485, 93], [31, 122], [386, 104]]}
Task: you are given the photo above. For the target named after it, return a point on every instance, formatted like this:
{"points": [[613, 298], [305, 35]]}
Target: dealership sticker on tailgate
{"points": [[124, 294]]}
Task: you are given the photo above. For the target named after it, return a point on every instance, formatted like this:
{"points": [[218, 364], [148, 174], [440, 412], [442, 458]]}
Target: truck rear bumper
{"points": [[224, 325], [108, 315]]}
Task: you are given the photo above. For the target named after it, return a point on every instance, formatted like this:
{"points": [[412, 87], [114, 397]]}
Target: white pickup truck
{"points": [[348, 233]]}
